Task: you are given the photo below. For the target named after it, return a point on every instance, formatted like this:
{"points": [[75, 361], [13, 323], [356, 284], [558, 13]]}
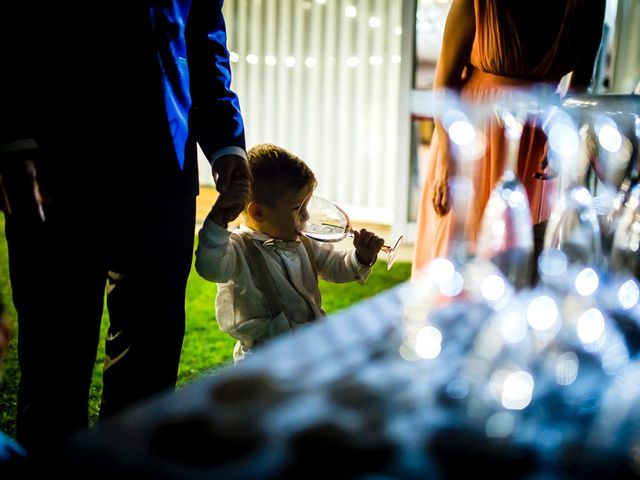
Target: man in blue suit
{"points": [[185, 96], [105, 145]]}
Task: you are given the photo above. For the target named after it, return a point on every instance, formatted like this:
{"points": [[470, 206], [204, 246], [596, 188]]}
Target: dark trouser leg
{"points": [[146, 302], [57, 276]]}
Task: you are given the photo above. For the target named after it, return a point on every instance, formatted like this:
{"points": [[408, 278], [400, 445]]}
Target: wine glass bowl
{"points": [[573, 225], [324, 221], [611, 124], [626, 239], [614, 123], [506, 237]]}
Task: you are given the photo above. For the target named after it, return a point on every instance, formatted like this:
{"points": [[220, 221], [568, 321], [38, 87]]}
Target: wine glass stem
{"points": [[513, 149]]}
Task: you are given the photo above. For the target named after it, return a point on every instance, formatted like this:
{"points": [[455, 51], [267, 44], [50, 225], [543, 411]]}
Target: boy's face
{"points": [[280, 220]]}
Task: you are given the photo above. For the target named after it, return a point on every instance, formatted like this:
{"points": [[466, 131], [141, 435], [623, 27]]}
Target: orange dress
{"points": [[499, 64]]}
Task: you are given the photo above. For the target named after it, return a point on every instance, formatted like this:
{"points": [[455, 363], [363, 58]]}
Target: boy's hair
{"points": [[274, 170]]}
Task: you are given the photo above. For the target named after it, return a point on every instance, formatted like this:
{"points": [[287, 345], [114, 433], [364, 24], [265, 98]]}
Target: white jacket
{"points": [[241, 307]]}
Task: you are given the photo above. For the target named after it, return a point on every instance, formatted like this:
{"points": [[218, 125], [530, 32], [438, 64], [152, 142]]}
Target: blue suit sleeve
{"points": [[215, 116]]}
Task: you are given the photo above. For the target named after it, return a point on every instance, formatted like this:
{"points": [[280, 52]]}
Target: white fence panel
{"points": [[321, 78]]}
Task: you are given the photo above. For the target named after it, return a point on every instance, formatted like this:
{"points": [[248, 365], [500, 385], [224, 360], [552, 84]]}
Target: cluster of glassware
{"points": [[549, 359]]}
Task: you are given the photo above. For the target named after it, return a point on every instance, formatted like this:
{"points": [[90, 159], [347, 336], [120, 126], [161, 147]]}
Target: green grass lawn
{"points": [[205, 346]]}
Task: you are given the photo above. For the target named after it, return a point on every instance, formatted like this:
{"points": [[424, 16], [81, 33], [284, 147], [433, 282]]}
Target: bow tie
{"points": [[274, 244]]}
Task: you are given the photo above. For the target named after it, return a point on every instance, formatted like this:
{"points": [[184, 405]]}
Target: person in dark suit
{"points": [[185, 96], [100, 154]]}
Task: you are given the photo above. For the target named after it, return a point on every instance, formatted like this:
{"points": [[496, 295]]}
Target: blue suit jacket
{"points": [[154, 80], [189, 45]]}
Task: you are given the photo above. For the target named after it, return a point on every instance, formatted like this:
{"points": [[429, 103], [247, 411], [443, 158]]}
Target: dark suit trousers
{"points": [[147, 281], [58, 270]]}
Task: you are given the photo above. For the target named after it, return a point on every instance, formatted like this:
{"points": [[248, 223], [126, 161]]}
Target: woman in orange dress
{"points": [[490, 49]]}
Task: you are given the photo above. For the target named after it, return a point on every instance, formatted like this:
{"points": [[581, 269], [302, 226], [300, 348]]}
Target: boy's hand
{"points": [[367, 245], [231, 202]]}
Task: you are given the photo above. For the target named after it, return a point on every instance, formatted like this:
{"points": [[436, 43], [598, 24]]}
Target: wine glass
{"points": [[626, 238], [463, 123], [325, 221], [609, 130], [506, 236], [627, 144], [573, 225]]}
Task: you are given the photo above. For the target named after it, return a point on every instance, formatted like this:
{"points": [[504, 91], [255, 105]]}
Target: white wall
{"points": [[324, 83], [626, 49]]}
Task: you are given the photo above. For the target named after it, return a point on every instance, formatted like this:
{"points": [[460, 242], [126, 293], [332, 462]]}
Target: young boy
{"points": [[266, 270]]}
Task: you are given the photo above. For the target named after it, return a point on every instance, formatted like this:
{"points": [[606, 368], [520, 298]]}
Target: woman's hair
{"points": [[274, 170]]}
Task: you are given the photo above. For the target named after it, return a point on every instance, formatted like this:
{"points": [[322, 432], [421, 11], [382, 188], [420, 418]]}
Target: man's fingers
{"points": [[233, 198], [228, 168], [237, 189], [223, 180]]}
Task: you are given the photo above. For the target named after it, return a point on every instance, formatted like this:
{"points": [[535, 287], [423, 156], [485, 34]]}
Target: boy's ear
{"points": [[255, 211]]}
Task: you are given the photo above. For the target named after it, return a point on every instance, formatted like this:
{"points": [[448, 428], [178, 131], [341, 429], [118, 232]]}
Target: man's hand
{"points": [[231, 202], [229, 168], [367, 245]]}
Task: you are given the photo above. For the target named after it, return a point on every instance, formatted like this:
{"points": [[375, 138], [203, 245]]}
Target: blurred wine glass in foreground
{"points": [[625, 248], [464, 124], [506, 235], [609, 134], [573, 225]]}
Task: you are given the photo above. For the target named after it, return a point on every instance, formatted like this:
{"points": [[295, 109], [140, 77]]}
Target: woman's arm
{"points": [[459, 32]]}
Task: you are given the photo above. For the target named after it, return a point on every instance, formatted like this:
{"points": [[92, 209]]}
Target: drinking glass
{"points": [[625, 246], [610, 133], [325, 221], [506, 236], [573, 225], [625, 200], [464, 125]]}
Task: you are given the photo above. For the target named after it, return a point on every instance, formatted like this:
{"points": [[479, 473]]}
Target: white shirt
{"points": [[241, 307]]}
